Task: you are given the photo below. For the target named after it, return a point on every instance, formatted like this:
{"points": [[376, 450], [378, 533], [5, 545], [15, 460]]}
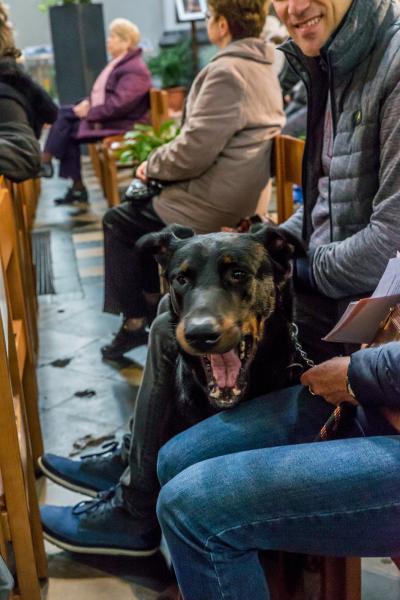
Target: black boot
{"points": [[72, 196], [124, 341]]}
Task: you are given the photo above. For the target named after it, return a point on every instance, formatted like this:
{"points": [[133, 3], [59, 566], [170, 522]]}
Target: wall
{"points": [[150, 15]]}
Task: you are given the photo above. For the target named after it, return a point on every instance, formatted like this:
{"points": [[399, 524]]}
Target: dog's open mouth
{"points": [[227, 374]]}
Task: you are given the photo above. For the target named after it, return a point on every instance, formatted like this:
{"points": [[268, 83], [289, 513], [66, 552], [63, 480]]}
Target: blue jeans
{"points": [[6, 581], [252, 478]]}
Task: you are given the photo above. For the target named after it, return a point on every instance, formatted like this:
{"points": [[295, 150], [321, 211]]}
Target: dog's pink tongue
{"points": [[225, 368]]}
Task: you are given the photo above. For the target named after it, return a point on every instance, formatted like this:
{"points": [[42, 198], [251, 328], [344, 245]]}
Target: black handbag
{"points": [[142, 192]]}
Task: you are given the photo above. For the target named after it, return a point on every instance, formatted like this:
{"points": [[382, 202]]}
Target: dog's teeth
{"points": [[236, 391], [215, 392], [242, 346]]}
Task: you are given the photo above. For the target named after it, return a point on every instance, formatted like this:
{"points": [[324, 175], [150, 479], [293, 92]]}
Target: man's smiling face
{"points": [[311, 22]]}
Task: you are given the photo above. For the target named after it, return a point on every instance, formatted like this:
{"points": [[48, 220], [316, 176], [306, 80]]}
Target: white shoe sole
{"points": [[102, 551], [66, 484]]}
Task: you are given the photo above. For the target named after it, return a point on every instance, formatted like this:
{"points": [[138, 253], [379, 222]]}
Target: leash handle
{"points": [[342, 413]]}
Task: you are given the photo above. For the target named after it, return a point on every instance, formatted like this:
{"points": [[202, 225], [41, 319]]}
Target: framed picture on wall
{"points": [[191, 10]]}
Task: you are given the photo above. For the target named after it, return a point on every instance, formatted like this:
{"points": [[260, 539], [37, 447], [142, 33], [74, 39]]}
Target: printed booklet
{"points": [[362, 318]]}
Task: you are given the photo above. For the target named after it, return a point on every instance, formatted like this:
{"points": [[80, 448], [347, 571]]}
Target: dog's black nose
{"points": [[202, 333]]}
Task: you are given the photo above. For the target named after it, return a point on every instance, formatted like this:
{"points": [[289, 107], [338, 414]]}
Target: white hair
{"points": [[126, 30]]}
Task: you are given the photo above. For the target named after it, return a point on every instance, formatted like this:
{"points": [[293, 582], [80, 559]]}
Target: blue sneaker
{"points": [[92, 474], [100, 526]]}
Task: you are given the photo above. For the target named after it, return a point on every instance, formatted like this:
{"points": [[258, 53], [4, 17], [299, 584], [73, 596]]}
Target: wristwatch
{"points": [[349, 389]]}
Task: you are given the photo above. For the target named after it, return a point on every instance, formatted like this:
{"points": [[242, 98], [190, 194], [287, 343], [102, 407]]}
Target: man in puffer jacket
{"points": [[347, 52]]}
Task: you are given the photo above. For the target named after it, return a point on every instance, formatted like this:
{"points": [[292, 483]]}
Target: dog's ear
{"points": [[162, 243], [281, 245]]}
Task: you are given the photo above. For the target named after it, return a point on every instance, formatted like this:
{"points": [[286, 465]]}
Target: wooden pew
{"points": [[24, 197], [19, 512], [159, 108], [288, 157], [10, 254], [113, 174]]}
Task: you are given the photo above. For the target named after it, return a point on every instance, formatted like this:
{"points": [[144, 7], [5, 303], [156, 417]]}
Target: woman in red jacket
{"points": [[119, 97]]}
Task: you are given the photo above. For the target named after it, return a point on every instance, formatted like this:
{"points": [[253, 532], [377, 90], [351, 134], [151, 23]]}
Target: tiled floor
{"points": [[72, 329]]}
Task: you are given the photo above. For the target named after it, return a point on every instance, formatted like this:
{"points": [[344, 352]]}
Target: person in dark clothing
{"points": [[119, 98], [296, 112], [19, 148], [24, 108]]}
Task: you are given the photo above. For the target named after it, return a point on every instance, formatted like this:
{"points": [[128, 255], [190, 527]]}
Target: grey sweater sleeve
{"points": [[19, 148], [294, 224], [355, 265]]}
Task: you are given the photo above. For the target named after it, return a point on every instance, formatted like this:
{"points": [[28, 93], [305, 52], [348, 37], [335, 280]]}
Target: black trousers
{"points": [[128, 273]]}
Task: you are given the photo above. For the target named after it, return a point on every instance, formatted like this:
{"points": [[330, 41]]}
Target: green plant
{"points": [[139, 142], [43, 6], [173, 65]]}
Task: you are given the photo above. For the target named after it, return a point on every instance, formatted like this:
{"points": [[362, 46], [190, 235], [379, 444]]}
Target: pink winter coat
{"points": [[126, 99]]}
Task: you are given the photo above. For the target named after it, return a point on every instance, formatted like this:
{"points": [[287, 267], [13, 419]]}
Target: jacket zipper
{"points": [[334, 126], [288, 52]]}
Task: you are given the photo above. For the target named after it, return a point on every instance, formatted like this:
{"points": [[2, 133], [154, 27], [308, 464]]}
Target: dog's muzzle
{"points": [[202, 333]]}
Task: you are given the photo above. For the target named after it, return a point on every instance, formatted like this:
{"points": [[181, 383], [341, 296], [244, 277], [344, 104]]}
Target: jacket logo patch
{"points": [[357, 118]]}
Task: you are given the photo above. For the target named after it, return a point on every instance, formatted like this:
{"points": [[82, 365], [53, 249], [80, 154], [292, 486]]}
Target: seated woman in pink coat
{"points": [[119, 97]]}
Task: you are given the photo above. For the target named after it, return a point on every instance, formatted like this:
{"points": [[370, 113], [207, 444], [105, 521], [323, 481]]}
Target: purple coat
{"points": [[126, 99]]}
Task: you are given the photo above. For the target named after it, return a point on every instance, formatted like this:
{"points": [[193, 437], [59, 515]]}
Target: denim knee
{"points": [[164, 506], [167, 462], [176, 500]]}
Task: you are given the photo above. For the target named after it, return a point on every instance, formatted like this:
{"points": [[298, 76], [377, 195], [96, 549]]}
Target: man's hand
{"points": [[141, 172], [81, 110], [329, 380]]}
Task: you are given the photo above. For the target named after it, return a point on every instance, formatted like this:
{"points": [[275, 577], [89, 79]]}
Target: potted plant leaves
{"points": [[142, 140], [46, 4], [175, 69]]}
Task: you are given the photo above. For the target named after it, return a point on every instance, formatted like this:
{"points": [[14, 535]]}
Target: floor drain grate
{"points": [[41, 255]]}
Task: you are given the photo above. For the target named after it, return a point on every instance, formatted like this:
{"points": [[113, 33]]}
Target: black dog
{"points": [[230, 296]]}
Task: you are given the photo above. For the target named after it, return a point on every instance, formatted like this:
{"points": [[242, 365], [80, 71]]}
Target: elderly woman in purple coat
{"points": [[119, 97]]}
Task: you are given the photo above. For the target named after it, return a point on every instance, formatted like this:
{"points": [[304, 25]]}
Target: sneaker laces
{"points": [[99, 504], [105, 448]]}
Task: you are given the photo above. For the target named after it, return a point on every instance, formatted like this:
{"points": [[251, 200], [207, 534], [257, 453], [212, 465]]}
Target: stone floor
{"points": [[72, 329]]}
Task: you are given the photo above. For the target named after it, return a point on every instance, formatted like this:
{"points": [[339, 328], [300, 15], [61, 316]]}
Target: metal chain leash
{"points": [[341, 414], [294, 336]]}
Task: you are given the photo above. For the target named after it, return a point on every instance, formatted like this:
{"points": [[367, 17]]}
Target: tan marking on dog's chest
{"points": [[184, 266]]}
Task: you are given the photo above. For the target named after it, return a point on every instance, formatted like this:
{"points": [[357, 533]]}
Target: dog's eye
{"points": [[181, 279], [238, 275]]}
